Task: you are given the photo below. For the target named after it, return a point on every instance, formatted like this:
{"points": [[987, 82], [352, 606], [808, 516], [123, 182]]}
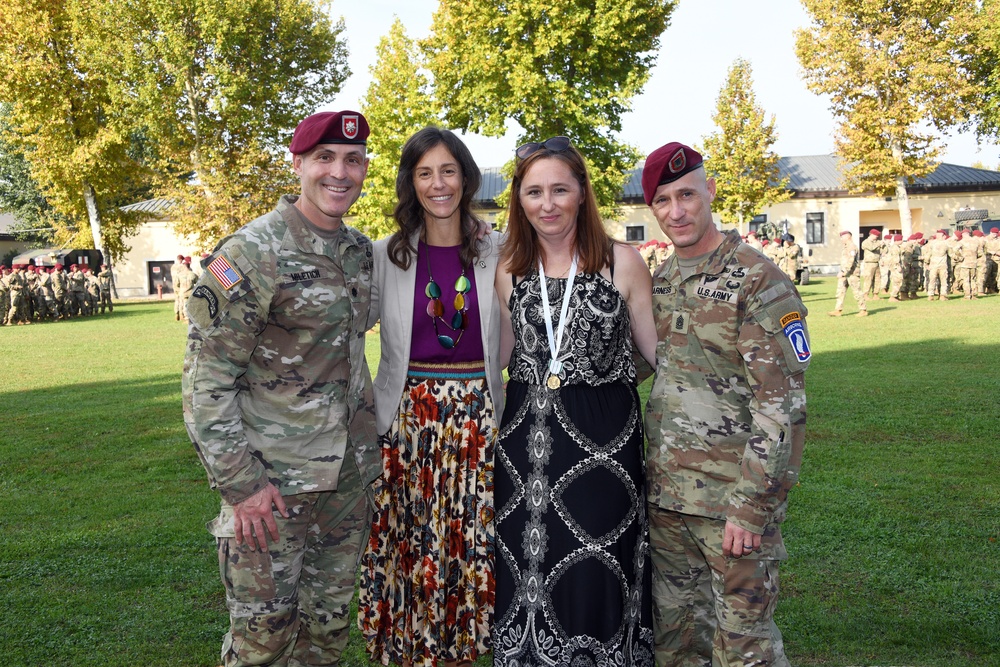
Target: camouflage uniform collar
{"points": [[305, 240], [715, 264]]}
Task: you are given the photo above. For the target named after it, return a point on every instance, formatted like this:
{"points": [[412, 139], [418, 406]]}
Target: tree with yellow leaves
{"points": [[65, 123], [894, 72]]}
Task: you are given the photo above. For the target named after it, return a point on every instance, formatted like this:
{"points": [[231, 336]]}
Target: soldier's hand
{"points": [[252, 516], [738, 542]]}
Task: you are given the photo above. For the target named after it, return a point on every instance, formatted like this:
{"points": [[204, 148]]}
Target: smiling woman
{"points": [[427, 577]]}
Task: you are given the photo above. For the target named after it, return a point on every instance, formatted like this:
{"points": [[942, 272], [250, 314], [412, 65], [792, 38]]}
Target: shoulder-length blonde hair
{"points": [[521, 251]]}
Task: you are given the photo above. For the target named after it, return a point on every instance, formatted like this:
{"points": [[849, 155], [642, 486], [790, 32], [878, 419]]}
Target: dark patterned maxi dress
{"points": [[572, 570]]}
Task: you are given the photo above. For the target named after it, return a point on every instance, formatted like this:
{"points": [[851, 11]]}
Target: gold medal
{"points": [[553, 382]]}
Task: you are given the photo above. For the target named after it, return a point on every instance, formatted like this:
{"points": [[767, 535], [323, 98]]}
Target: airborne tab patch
{"points": [[795, 331]]}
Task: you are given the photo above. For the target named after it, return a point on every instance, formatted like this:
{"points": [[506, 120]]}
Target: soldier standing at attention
{"points": [[185, 279], [792, 257], [872, 252], [848, 275], [59, 287], [725, 422], [981, 261], [992, 251], [936, 253], [175, 283], [77, 291], [954, 259], [4, 295], [966, 274], [895, 264], [17, 284], [105, 280], [278, 402]]}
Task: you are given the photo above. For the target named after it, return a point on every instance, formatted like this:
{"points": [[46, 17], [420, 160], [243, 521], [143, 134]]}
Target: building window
{"points": [[635, 233], [757, 222], [815, 228]]}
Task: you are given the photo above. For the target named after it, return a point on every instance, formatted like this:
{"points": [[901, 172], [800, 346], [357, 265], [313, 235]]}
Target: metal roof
{"points": [[158, 205], [806, 174]]}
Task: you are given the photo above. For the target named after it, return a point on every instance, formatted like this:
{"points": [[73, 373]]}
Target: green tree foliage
{"points": [[556, 67], [20, 194], [986, 68], [63, 119], [894, 72], [218, 87], [739, 153], [397, 104]]}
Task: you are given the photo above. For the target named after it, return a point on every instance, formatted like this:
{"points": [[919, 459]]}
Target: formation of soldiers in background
{"points": [[963, 263], [30, 293], [784, 252]]}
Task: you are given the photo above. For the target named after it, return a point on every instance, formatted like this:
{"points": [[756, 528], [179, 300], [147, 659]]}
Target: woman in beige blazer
{"points": [[427, 575]]}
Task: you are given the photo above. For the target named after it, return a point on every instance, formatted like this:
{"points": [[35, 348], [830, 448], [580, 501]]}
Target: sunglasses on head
{"points": [[554, 144]]}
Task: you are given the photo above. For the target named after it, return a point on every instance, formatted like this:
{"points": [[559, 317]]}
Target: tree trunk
{"points": [[90, 197], [902, 196]]}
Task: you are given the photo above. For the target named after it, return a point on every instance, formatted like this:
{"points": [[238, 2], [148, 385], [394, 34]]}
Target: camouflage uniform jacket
{"points": [[104, 278], [275, 379], [726, 415], [76, 281], [872, 248], [59, 283], [848, 259], [970, 250]]}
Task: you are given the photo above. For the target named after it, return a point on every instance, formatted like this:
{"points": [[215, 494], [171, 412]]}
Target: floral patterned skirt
{"points": [[427, 586]]}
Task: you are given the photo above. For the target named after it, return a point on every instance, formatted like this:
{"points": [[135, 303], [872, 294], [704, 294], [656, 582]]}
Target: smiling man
{"points": [[278, 402], [725, 423]]}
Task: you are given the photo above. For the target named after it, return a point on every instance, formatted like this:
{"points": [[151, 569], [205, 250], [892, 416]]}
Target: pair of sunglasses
{"points": [[554, 144]]}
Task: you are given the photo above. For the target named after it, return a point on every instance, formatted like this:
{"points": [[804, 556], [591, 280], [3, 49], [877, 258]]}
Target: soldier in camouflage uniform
{"points": [[913, 281], [954, 259], [992, 252], [848, 275], [936, 253], [93, 290], [77, 286], [872, 250], [184, 279], [4, 295], [896, 266], [59, 287], [726, 424], [105, 279], [981, 261], [278, 401], [17, 283], [966, 273]]}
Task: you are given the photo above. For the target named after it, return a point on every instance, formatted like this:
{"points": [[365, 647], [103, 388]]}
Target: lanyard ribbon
{"points": [[555, 342]]}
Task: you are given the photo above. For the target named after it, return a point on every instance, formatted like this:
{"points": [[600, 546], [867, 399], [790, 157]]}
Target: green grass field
{"points": [[104, 559]]}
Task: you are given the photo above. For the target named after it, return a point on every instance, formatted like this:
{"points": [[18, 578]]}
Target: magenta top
{"points": [[446, 269]]}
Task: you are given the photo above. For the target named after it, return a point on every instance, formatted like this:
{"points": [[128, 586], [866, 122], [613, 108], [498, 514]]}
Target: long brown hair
{"points": [[409, 214], [520, 250]]}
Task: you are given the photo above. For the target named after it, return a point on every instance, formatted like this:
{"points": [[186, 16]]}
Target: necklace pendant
{"points": [[554, 382]]}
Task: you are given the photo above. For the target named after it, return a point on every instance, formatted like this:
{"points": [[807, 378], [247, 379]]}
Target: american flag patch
{"points": [[224, 272]]}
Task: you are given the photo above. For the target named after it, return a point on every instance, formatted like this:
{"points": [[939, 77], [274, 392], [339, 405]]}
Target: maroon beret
{"points": [[874, 232], [845, 233], [665, 165], [977, 233], [329, 127], [958, 233], [994, 230], [897, 237]]}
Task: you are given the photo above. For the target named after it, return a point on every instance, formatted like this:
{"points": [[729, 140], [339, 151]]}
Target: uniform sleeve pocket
{"points": [[785, 321]]}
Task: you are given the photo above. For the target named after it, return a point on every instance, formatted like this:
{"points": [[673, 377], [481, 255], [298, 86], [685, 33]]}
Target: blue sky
{"points": [[703, 40]]}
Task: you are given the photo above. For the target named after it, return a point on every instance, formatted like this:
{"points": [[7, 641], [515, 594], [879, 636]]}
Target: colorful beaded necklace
{"points": [[435, 309]]}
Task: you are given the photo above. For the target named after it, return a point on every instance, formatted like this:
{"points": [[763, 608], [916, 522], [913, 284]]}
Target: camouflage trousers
{"points": [[937, 279], [855, 284], [966, 276], [709, 610], [869, 278], [895, 281], [290, 605], [105, 302]]}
